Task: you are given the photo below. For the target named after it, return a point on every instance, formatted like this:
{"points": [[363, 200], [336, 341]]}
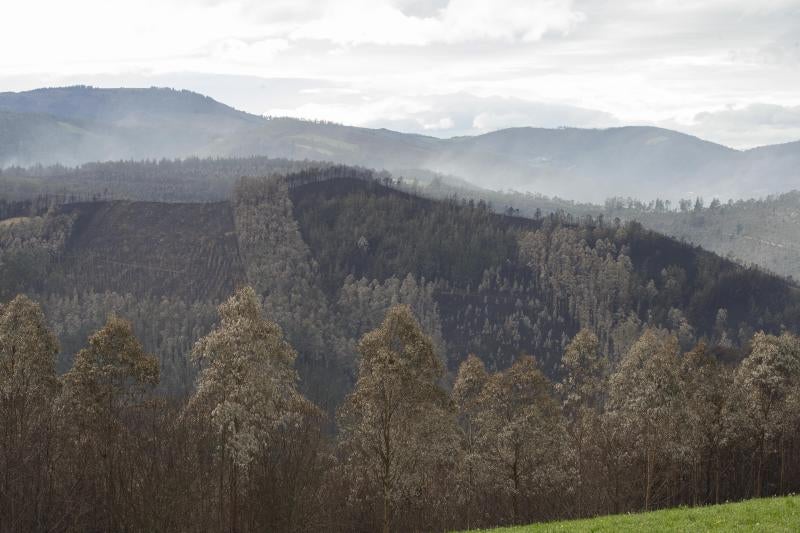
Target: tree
{"points": [[706, 389], [521, 434], [28, 385], [397, 430], [764, 381], [582, 389], [246, 394], [644, 396], [467, 389], [105, 402]]}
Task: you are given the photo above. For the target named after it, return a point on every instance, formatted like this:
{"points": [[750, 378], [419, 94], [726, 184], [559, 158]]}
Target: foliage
{"points": [[396, 426]]}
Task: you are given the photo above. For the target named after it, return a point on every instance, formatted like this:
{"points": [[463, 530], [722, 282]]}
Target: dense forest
{"points": [[329, 249], [335, 389], [757, 231], [99, 449], [752, 232], [164, 180]]}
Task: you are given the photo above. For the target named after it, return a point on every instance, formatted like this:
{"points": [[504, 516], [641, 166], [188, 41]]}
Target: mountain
{"points": [[79, 124], [74, 125]]}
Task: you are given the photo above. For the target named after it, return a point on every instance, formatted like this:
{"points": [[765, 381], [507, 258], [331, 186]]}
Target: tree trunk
{"points": [[760, 465], [385, 507], [648, 479], [716, 478], [515, 475], [221, 497], [783, 464], [580, 476], [234, 498]]}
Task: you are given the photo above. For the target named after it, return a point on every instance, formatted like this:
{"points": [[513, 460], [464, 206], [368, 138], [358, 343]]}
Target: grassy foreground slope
{"points": [[767, 514]]}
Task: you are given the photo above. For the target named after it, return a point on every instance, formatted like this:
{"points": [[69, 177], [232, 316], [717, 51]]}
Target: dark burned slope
{"points": [[186, 251], [508, 285], [402, 233]]}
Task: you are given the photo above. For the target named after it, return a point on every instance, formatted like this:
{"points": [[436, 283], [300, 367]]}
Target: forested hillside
{"points": [[330, 249], [387, 360], [755, 231], [762, 231]]}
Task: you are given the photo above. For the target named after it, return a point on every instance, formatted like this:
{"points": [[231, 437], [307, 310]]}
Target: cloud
{"points": [[443, 124], [381, 22], [753, 115], [443, 115], [240, 51], [737, 126], [785, 49]]}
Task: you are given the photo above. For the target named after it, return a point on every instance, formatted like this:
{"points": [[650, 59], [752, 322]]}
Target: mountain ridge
{"points": [[580, 164]]}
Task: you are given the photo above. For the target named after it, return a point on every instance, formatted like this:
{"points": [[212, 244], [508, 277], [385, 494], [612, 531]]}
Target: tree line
{"points": [[100, 449]]}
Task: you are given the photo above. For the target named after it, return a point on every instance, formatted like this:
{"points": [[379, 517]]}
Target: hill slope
{"points": [[79, 124], [187, 251], [773, 515], [765, 232], [330, 249]]}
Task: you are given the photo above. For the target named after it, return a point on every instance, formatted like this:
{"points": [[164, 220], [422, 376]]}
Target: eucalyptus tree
{"points": [[28, 386], [765, 382], [398, 432], [645, 397], [582, 389], [522, 437], [246, 398], [466, 393], [107, 407]]}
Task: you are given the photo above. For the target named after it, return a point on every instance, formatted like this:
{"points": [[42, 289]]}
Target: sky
{"points": [[724, 70]]}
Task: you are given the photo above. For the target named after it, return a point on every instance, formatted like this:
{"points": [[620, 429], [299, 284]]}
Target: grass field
{"points": [[768, 515]]}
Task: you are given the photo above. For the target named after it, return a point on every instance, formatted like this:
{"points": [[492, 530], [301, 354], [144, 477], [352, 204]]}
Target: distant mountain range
{"points": [[74, 125]]}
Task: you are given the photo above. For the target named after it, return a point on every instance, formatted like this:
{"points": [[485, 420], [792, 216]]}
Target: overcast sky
{"points": [[725, 70]]}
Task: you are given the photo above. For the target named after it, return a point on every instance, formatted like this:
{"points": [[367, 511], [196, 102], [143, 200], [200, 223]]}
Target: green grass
{"points": [[768, 515]]}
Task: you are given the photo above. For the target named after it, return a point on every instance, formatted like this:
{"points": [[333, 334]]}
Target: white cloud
{"points": [[444, 123], [443, 115], [239, 51], [736, 125], [385, 23]]}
